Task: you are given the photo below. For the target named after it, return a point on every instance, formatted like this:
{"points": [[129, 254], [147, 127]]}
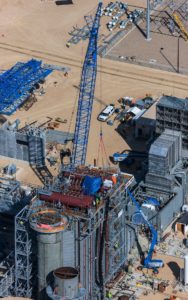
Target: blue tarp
{"points": [[153, 201], [91, 185]]}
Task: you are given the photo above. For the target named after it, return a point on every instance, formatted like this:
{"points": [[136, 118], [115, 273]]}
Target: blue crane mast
{"points": [[149, 263], [86, 95]]}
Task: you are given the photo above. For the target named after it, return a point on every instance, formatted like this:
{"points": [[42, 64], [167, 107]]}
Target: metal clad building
{"points": [[172, 113]]}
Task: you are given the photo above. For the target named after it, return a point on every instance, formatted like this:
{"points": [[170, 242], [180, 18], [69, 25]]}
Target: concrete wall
{"points": [[168, 213], [49, 259], [14, 145]]}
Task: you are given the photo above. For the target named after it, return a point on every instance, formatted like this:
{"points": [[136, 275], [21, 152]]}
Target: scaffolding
{"points": [[17, 83], [79, 34], [115, 236], [99, 228], [94, 230], [9, 193], [23, 251], [7, 275]]}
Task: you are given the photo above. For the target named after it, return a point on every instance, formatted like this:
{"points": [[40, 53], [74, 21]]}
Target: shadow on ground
{"points": [[174, 268]]}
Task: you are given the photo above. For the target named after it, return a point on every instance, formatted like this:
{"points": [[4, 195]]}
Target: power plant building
{"points": [[172, 113], [74, 236], [163, 192], [81, 236]]}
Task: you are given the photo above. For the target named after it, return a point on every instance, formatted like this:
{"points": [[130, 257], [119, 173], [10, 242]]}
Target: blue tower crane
{"points": [[86, 95], [149, 263]]}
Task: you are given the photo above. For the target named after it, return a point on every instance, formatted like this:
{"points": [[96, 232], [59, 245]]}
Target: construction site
{"points": [[94, 150]]}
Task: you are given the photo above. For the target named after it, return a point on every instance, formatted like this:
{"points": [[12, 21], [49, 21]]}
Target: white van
{"points": [[106, 113]]}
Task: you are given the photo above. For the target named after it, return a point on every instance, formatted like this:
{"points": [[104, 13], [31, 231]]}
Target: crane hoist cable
{"points": [[71, 120], [73, 111], [101, 147], [102, 151]]}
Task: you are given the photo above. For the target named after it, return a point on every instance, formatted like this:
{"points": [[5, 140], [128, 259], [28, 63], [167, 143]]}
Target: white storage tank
{"points": [[66, 280]]}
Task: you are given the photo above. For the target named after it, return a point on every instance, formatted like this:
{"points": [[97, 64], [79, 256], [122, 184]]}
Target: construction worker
{"points": [[108, 295], [21, 223], [114, 178], [97, 199], [116, 245]]}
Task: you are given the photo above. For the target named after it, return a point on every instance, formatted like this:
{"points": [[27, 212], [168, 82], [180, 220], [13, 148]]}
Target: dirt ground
{"points": [[39, 29], [169, 272], [149, 53]]}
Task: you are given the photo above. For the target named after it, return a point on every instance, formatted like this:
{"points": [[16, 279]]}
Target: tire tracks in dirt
{"points": [[72, 62]]}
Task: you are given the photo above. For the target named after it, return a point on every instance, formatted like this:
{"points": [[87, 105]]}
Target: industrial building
{"points": [[85, 231], [27, 145], [172, 113], [71, 237], [145, 125], [165, 181], [30, 144], [89, 223]]}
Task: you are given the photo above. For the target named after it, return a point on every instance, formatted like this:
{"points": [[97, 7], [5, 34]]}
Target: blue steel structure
{"points": [[85, 101], [17, 83], [149, 263]]}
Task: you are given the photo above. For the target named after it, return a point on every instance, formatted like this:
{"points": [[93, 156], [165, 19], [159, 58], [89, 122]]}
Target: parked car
{"points": [[106, 113]]}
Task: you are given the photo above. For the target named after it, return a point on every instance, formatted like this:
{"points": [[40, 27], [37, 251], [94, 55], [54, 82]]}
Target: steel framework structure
{"points": [[17, 83], [7, 275], [23, 264], [85, 101]]}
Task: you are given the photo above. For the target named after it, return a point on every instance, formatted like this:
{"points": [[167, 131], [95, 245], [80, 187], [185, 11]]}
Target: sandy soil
{"points": [[24, 173], [40, 29], [169, 272]]}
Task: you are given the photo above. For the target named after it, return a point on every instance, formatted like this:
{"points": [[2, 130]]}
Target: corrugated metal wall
{"points": [[67, 249], [16, 145], [168, 213]]}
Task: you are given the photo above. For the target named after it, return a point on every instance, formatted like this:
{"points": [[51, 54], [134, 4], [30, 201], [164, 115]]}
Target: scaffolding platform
{"points": [[7, 271], [17, 83]]}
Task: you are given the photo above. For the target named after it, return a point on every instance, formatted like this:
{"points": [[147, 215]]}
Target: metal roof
{"points": [[134, 110], [159, 149], [161, 146], [173, 102]]}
